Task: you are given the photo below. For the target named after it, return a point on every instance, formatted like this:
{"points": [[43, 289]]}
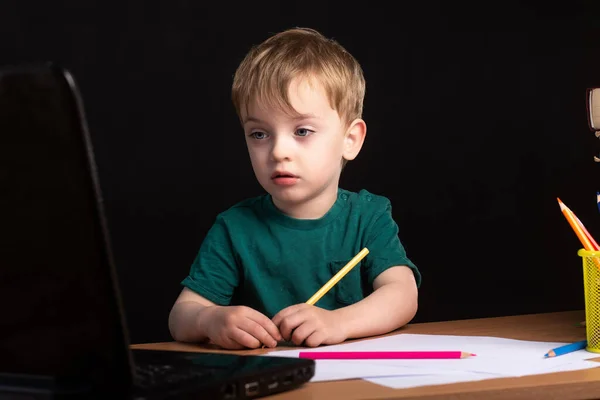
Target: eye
{"points": [[303, 132], [258, 135]]}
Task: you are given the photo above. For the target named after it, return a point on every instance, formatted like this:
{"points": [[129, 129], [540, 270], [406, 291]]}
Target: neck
{"points": [[313, 208]]}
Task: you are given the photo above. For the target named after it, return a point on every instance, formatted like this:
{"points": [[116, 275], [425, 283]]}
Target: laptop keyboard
{"points": [[164, 375]]}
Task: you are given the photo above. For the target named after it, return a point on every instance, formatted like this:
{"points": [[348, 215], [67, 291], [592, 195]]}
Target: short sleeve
{"points": [[214, 273], [385, 248]]}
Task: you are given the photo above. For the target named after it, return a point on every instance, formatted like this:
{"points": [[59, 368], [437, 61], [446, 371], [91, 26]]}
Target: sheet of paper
{"points": [[496, 357], [404, 382], [335, 370]]}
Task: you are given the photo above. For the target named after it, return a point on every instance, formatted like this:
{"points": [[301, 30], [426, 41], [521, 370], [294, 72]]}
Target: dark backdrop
{"points": [[476, 122]]}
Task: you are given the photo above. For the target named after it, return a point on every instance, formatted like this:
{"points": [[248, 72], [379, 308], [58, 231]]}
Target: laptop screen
{"points": [[59, 316]]}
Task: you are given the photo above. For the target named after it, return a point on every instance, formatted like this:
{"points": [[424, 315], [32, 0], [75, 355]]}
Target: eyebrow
{"points": [[298, 118], [252, 119]]}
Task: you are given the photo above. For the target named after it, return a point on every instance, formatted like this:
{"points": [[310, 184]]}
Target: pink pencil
{"points": [[382, 355]]}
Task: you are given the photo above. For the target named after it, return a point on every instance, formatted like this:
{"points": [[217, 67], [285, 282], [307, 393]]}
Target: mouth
{"points": [[282, 175]]}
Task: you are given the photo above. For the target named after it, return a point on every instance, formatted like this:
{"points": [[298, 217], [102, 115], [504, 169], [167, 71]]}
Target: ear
{"points": [[354, 139]]}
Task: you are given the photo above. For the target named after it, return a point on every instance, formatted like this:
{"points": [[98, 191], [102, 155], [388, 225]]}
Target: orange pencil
{"points": [[584, 236], [594, 244], [577, 226]]}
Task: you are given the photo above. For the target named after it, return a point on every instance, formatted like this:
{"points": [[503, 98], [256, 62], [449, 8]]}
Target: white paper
{"points": [[404, 382], [495, 358], [336, 370]]}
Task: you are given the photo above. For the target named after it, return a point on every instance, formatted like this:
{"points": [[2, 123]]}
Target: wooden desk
{"points": [[558, 327]]}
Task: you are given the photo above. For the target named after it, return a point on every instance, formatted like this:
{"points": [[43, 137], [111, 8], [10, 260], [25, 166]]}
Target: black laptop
{"points": [[62, 327]]}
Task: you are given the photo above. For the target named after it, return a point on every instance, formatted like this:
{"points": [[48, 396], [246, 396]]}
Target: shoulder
{"points": [[368, 210], [366, 200], [236, 221], [242, 212]]}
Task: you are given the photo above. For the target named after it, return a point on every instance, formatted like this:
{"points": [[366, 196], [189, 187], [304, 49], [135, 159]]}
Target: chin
{"points": [[287, 195]]}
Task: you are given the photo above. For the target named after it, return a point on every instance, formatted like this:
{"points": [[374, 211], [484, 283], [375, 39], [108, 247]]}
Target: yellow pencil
{"points": [[335, 279]]}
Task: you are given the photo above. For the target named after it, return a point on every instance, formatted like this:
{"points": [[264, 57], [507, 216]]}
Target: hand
{"points": [[313, 326], [238, 327]]}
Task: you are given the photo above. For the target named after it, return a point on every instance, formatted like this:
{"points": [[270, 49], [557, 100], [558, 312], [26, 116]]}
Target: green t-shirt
{"points": [[256, 256]]}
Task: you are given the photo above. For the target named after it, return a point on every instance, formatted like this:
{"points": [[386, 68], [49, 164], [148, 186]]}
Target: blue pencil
{"points": [[598, 200], [567, 348]]}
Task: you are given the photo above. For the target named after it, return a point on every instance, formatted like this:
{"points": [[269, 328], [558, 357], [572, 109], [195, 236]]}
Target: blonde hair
{"points": [[266, 72]]}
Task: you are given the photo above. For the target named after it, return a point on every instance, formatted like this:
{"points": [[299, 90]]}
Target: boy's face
{"points": [[298, 160]]}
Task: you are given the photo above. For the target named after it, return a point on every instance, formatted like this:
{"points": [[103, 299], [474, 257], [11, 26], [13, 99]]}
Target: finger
{"points": [[302, 332], [286, 312], [258, 332], [288, 324], [231, 344], [226, 342], [266, 324], [315, 339], [244, 338]]}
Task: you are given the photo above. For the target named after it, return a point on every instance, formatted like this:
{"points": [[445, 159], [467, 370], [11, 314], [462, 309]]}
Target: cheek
{"points": [[255, 152], [334, 151], [258, 159], [326, 157]]}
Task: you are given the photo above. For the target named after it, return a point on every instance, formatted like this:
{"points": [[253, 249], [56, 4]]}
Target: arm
{"points": [[185, 319], [196, 319], [392, 304]]}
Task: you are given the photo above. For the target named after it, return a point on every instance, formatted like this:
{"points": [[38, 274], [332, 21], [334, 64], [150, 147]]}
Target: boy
{"points": [[299, 98]]}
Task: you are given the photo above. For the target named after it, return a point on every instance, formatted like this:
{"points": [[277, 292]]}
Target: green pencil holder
{"points": [[591, 286]]}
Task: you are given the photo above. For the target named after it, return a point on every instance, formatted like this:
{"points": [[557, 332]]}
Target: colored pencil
{"points": [[577, 227], [585, 231], [598, 200], [584, 236], [383, 355], [568, 348], [336, 278]]}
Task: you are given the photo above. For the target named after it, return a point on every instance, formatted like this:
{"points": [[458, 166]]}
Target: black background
{"points": [[476, 119]]}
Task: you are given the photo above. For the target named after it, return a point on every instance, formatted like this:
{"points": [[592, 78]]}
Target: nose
{"points": [[282, 148]]}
